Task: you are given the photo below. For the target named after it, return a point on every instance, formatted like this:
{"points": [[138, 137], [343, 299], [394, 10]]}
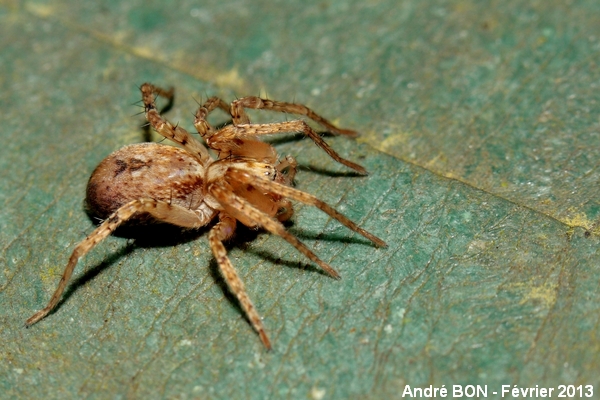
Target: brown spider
{"points": [[189, 188]]}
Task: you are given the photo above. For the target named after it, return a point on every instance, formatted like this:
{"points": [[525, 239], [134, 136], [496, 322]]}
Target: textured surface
{"points": [[487, 193]]}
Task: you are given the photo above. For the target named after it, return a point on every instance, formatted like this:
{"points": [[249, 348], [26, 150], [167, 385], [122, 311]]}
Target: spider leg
{"points": [[226, 137], [168, 130], [223, 230], [160, 210], [241, 209], [168, 94], [200, 122], [238, 175], [240, 117]]}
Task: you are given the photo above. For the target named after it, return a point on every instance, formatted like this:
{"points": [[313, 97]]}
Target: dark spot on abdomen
{"points": [[121, 166], [136, 163]]}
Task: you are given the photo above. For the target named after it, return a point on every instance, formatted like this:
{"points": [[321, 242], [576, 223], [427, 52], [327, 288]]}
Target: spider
{"points": [[190, 188]]}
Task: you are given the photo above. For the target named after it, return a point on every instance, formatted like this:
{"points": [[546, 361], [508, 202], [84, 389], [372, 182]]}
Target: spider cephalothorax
{"points": [[188, 187]]}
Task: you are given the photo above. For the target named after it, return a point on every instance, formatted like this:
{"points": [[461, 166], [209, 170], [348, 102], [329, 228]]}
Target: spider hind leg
{"points": [[160, 210]]}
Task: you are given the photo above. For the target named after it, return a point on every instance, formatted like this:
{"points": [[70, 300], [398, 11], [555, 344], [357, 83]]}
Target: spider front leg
{"points": [[168, 130], [240, 117], [160, 210], [219, 233], [224, 139], [237, 175], [200, 122]]}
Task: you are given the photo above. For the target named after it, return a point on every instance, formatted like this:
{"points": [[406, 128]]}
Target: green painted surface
{"points": [[488, 115]]}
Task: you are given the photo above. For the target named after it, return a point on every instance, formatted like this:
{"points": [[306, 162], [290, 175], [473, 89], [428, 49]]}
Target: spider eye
{"points": [[271, 173]]}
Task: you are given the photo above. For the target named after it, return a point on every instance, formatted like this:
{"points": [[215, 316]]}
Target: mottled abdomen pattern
{"points": [[145, 170]]}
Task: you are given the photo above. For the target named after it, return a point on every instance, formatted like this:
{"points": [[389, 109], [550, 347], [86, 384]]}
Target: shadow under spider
{"points": [[147, 232], [320, 171], [295, 137], [245, 235], [159, 234], [139, 236], [242, 238], [329, 173], [331, 237], [151, 235]]}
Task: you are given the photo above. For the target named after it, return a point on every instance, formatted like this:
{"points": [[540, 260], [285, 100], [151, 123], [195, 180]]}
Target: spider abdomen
{"points": [[145, 170]]}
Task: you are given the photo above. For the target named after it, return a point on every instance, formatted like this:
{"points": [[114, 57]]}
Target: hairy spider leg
{"points": [[168, 130], [240, 117], [222, 231], [303, 197], [241, 209], [224, 139], [161, 210], [200, 122]]}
